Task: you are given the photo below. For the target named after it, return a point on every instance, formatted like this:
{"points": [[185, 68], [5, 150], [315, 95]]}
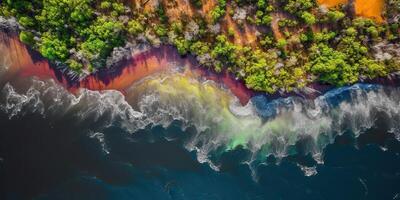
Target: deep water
{"points": [[54, 160], [48, 155], [173, 136]]}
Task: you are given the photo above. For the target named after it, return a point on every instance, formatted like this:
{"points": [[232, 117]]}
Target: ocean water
{"points": [[174, 136]]}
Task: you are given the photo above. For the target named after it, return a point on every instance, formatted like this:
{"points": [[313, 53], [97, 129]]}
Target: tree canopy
{"points": [[293, 42]]}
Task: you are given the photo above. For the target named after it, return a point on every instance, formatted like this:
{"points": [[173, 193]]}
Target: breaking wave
{"points": [[263, 126]]}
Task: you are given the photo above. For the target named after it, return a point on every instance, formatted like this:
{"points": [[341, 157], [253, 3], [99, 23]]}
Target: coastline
{"points": [[143, 64], [119, 77]]}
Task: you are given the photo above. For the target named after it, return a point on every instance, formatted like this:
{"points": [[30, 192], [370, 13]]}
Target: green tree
{"points": [[335, 15], [26, 21], [135, 27], [331, 66], [102, 37], [160, 30], [26, 37], [298, 6], [224, 51], [199, 48], [308, 18], [281, 43], [182, 45], [74, 65], [53, 48]]}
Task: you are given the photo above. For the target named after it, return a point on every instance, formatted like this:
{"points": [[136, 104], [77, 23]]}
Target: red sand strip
{"points": [[140, 66]]}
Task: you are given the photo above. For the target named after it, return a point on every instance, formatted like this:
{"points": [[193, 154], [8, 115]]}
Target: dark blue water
{"points": [[43, 160], [52, 149]]}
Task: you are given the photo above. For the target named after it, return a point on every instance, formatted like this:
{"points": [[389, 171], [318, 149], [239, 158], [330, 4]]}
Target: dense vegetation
{"points": [[314, 44]]}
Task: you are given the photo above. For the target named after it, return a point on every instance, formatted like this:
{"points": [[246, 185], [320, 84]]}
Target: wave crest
{"points": [[263, 126]]}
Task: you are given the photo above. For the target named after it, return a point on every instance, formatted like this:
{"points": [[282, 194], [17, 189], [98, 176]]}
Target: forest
{"points": [[295, 42]]}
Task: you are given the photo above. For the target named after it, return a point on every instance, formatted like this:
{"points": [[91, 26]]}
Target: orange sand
{"points": [[370, 8], [366, 8], [175, 9], [243, 36], [275, 26], [20, 60], [208, 5], [140, 66]]}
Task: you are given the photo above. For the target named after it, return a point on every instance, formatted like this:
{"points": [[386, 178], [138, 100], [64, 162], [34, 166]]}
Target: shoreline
{"points": [[28, 63]]}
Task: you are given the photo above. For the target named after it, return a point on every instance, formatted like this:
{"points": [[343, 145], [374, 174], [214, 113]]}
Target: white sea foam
{"points": [[219, 126], [308, 171], [53, 101], [100, 138]]}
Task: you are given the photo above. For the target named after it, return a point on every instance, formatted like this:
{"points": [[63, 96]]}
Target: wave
{"points": [[263, 126]]}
